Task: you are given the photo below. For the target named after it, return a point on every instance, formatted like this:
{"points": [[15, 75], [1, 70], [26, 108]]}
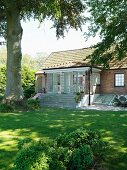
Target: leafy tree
{"points": [[40, 59], [34, 62], [2, 79], [28, 80], [64, 14], [108, 19]]}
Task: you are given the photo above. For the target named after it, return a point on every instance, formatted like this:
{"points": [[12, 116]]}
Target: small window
{"points": [[119, 79]]}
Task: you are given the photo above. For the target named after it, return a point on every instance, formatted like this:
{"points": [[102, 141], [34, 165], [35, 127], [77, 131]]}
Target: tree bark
{"points": [[13, 91]]}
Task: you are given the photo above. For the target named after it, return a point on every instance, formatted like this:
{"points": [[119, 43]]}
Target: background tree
{"points": [[64, 14], [2, 79], [3, 56], [28, 80], [35, 62], [109, 19]]}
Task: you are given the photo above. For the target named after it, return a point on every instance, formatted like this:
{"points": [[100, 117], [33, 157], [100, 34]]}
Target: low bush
{"points": [[78, 138], [78, 150], [32, 157], [29, 91], [33, 104], [1, 98], [5, 108], [81, 158]]}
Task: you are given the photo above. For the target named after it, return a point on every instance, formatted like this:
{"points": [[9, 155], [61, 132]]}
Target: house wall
{"points": [[108, 82], [40, 83]]}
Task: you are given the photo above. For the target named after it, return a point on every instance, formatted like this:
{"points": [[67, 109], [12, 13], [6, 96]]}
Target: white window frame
{"points": [[119, 80]]}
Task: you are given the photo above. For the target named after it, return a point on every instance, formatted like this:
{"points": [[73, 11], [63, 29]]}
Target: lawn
{"points": [[49, 122]]}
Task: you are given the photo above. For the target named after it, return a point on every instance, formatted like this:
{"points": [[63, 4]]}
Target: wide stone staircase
{"points": [[58, 100], [104, 99]]}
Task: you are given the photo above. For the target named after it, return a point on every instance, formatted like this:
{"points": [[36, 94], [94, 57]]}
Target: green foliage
{"points": [[74, 153], [79, 96], [22, 143], [78, 138], [4, 108], [108, 19], [63, 14], [59, 158], [28, 81], [33, 104], [81, 159], [32, 157], [28, 77], [29, 91], [2, 79], [1, 98]]}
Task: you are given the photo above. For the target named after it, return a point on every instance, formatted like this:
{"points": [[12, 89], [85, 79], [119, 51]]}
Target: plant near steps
{"points": [[79, 96], [33, 104]]}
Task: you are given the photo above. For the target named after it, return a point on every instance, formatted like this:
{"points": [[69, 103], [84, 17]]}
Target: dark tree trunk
{"points": [[13, 90]]}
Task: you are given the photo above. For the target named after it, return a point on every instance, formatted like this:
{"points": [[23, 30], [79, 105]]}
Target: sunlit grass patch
{"points": [[50, 122]]}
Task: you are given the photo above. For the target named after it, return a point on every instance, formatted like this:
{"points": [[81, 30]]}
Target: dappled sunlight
{"points": [[50, 122], [123, 115], [72, 114], [10, 138], [55, 126], [89, 115], [125, 125], [10, 114]]}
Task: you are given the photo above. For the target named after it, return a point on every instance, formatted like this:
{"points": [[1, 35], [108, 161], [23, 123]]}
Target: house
{"points": [[66, 74]]}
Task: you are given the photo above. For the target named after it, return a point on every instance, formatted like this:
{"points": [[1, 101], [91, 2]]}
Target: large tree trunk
{"points": [[13, 90]]}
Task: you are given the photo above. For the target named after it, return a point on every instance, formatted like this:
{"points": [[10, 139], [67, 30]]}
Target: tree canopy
{"points": [[109, 19], [64, 14]]}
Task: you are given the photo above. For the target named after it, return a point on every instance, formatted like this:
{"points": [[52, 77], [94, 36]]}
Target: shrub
{"points": [[81, 158], [29, 91], [78, 138], [23, 143], [6, 108], [1, 98], [59, 158], [33, 104], [82, 137], [32, 157], [78, 150]]}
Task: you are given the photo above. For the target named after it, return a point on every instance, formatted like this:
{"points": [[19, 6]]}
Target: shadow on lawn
{"points": [[51, 122]]}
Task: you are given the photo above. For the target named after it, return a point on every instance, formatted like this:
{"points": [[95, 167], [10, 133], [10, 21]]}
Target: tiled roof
{"points": [[75, 58], [70, 58], [117, 64]]}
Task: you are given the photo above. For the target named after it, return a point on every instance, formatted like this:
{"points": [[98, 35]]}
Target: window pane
{"points": [[119, 79]]}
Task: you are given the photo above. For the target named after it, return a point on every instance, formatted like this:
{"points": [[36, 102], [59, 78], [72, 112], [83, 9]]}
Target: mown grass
{"points": [[49, 122]]}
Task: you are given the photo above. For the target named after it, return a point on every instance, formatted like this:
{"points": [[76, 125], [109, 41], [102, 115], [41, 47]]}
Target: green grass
{"points": [[49, 122]]}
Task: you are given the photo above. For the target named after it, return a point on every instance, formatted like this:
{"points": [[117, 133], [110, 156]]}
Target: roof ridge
{"points": [[71, 50]]}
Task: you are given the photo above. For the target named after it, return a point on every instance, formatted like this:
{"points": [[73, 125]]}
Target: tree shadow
{"points": [[50, 122]]}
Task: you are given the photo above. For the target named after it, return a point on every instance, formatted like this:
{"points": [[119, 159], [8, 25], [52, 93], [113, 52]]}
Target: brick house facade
{"points": [[107, 78], [70, 71]]}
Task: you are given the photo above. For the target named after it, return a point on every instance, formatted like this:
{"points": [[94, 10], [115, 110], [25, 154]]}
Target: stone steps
{"points": [[58, 100], [104, 99]]}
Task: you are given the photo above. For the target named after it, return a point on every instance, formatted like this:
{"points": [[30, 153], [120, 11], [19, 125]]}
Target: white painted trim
{"points": [[71, 69]]}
